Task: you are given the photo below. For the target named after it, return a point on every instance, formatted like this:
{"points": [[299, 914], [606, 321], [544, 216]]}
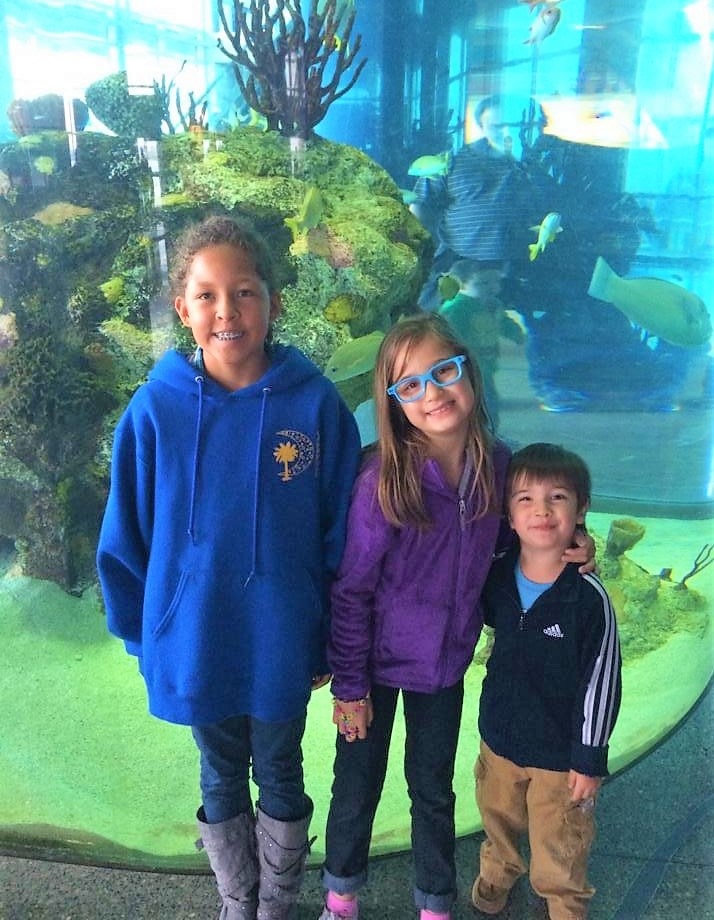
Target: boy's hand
{"points": [[583, 551], [583, 788], [352, 717]]}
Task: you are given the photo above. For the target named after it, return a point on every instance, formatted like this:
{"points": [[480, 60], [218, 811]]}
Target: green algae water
{"points": [[585, 291]]}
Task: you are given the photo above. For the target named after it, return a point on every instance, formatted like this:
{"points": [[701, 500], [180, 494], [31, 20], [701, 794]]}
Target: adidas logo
{"points": [[555, 632]]}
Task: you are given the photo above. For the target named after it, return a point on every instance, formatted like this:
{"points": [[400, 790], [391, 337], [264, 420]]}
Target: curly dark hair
{"points": [[218, 230]]}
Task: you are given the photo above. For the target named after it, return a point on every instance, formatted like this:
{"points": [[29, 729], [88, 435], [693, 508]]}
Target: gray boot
{"points": [[230, 847], [282, 851]]}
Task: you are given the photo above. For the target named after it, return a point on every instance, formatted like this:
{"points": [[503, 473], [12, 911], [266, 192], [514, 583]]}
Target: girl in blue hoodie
{"points": [[424, 522], [230, 479]]}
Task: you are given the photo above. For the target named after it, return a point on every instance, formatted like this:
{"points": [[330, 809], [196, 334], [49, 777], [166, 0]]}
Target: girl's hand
{"points": [[583, 551], [352, 717]]}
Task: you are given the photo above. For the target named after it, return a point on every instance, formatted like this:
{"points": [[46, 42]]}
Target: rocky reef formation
{"points": [[83, 307], [650, 607]]}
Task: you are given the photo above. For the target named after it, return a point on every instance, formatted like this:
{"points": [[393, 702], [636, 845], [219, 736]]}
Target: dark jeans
{"points": [[432, 731], [273, 749]]}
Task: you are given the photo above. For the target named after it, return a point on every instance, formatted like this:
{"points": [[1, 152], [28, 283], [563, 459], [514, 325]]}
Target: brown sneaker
{"points": [[488, 898]]}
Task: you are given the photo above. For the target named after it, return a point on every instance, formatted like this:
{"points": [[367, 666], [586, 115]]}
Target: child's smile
{"points": [[228, 308]]}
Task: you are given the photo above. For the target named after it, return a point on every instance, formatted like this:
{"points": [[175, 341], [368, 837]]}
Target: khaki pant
{"points": [[516, 800]]}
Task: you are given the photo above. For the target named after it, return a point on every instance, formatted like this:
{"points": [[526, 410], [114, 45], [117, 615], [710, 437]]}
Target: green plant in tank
{"points": [[288, 69]]}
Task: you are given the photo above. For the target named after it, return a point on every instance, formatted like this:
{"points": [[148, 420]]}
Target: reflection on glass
{"points": [[545, 182]]}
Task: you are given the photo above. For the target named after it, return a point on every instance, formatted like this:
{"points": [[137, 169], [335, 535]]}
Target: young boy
{"points": [[551, 693]]}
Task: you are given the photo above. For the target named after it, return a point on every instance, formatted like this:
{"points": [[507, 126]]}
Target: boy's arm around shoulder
{"points": [[124, 538], [597, 702]]}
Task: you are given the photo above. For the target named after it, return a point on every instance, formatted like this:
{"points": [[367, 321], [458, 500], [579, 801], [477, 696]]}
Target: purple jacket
{"points": [[406, 608]]}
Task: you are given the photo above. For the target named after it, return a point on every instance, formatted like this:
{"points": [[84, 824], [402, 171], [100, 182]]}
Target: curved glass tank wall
{"points": [[583, 279]]}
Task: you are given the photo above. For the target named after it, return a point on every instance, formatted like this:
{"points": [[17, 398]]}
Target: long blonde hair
{"points": [[404, 448]]}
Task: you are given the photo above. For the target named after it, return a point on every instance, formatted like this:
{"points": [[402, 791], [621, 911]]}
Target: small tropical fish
{"points": [[664, 309], [59, 212], [344, 307], [309, 215], [409, 196], [354, 358], [430, 165], [112, 289], [547, 231], [251, 118], [44, 165], [448, 287], [543, 25]]}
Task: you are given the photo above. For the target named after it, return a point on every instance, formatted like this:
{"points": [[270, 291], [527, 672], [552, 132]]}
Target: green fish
{"points": [[354, 358], [344, 307], [112, 289], [662, 308], [432, 165], [309, 215], [448, 287]]}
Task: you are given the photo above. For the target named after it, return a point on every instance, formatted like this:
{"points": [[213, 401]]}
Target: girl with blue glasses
{"points": [[423, 525], [441, 374]]}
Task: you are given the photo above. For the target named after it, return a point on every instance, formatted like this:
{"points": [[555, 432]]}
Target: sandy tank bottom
{"points": [[89, 776]]}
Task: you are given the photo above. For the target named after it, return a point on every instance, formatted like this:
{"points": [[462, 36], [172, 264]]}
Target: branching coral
{"points": [[705, 557], [294, 67]]}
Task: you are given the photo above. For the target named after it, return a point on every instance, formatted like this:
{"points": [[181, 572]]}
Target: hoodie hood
{"points": [[288, 368]]}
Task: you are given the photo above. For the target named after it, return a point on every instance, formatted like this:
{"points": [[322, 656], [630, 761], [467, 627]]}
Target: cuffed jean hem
{"points": [[438, 903], [340, 885]]}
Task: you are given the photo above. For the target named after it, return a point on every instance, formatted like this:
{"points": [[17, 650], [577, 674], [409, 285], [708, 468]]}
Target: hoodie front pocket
{"points": [[166, 619]]}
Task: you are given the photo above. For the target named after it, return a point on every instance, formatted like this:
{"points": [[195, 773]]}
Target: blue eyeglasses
{"points": [[441, 374]]}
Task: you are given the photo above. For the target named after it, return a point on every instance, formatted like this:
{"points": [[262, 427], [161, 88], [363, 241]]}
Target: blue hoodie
{"points": [[224, 525]]}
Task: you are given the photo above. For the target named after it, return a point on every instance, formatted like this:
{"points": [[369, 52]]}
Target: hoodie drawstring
{"points": [[197, 444], [256, 488]]}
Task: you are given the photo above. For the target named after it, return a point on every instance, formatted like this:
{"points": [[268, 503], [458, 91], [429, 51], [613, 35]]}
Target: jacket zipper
{"points": [[461, 508]]}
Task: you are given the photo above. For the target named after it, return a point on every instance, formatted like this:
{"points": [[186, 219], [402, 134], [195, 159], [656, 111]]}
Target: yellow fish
{"points": [[354, 358], [343, 308], [662, 308], [59, 212], [547, 231], [309, 215]]}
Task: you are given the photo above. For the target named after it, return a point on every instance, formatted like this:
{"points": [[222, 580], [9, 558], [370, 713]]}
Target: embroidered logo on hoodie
{"points": [[294, 453], [555, 632]]}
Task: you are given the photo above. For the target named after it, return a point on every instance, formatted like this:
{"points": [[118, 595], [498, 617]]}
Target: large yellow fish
{"points": [[354, 358], [309, 215], [547, 231], [662, 308]]}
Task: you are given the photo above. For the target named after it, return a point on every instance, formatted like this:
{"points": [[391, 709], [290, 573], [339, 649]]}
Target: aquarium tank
{"points": [[541, 173]]}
